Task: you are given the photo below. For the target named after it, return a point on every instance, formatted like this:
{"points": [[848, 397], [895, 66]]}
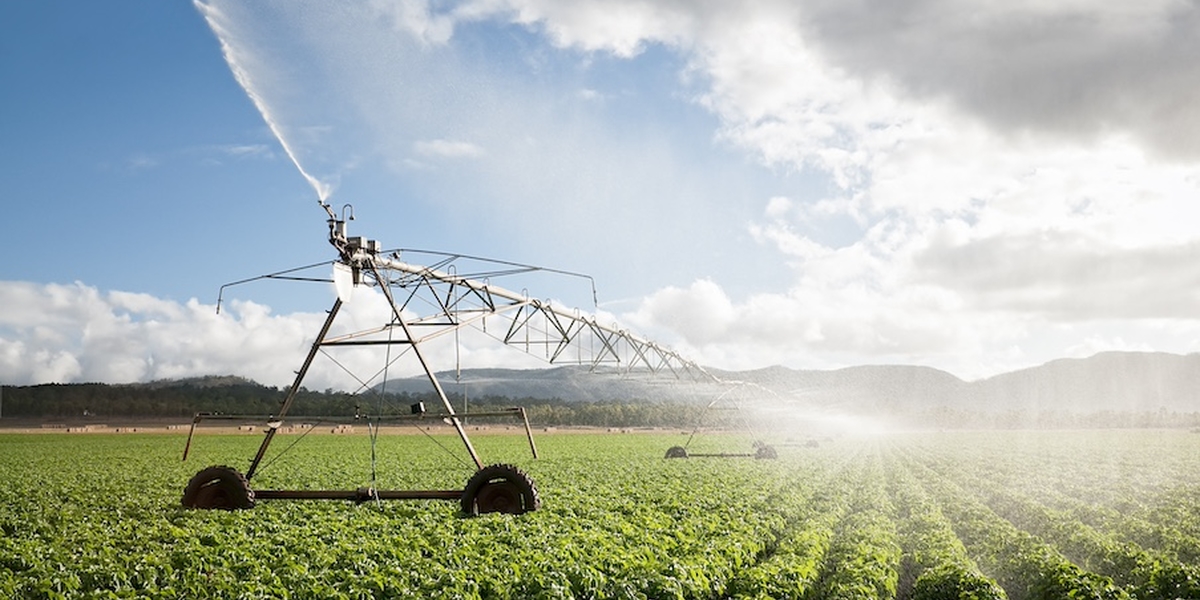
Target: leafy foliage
{"points": [[908, 517]]}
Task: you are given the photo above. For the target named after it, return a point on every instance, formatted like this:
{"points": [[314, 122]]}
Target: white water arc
{"points": [[212, 16]]}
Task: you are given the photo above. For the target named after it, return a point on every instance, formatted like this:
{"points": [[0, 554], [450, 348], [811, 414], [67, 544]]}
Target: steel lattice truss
{"points": [[429, 303]]}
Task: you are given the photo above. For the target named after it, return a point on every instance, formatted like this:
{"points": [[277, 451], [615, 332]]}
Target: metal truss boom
{"points": [[561, 335]]}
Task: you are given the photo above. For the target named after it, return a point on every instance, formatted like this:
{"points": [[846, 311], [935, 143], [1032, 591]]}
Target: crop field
{"points": [[1017, 515]]}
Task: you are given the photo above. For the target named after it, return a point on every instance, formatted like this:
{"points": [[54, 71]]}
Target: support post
{"points": [[291, 395], [188, 446], [528, 431]]}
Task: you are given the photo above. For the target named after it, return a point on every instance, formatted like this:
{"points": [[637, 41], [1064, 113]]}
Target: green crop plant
{"points": [[908, 516]]}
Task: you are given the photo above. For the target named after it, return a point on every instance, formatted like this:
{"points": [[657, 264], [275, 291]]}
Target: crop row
{"points": [[907, 517], [935, 562], [1025, 566], [612, 527], [1088, 479], [1144, 573]]}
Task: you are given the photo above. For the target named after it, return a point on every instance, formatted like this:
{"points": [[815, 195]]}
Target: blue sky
{"points": [[971, 187], [121, 131]]}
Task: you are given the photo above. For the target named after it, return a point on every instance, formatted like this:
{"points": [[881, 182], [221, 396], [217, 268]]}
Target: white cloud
{"points": [[1004, 162], [248, 151], [832, 83], [818, 328], [416, 18], [142, 162], [622, 28], [447, 149], [1078, 70], [78, 333], [1004, 179], [74, 333], [793, 79], [701, 313]]}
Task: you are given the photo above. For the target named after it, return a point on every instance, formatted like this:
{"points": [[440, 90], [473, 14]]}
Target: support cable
{"points": [[291, 445], [374, 431], [443, 447]]}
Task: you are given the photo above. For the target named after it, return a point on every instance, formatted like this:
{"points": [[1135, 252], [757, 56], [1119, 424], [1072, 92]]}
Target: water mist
{"points": [[214, 17]]}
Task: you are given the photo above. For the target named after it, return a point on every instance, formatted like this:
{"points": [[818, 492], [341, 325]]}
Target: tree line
{"points": [[182, 399], [234, 396]]}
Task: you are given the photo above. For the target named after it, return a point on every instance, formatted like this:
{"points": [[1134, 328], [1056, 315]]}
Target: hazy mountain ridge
{"points": [[1109, 381], [1112, 389], [1117, 381]]}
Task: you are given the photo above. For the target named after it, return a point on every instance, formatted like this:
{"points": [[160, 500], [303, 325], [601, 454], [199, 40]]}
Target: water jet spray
{"points": [[213, 16]]}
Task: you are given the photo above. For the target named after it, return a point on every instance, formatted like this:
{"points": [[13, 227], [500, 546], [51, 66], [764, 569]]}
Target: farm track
{"points": [[1021, 516]]}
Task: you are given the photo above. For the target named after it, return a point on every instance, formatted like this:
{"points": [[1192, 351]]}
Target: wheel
{"points": [[765, 451], [500, 488], [676, 452], [218, 487]]}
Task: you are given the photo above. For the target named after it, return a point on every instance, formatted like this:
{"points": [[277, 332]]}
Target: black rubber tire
{"points": [[765, 451], [218, 487], [676, 452], [500, 488]]}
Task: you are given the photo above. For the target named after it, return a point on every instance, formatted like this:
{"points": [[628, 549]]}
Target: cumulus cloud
{"points": [[447, 149], [1010, 173], [76, 333], [248, 151], [142, 162], [1081, 70], [702, 312], [1003, 179], [826, 328], [1067, 276], [416, 18]]}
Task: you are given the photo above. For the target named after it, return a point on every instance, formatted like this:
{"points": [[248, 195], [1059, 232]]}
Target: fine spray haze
{"points": [[213, 16]]}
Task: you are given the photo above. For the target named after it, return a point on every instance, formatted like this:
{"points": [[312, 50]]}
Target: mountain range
{"points": [[1109, 381]]}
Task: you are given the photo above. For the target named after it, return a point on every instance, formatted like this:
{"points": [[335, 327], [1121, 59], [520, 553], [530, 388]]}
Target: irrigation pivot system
{"points": [[426, 303], [762, 450]]}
